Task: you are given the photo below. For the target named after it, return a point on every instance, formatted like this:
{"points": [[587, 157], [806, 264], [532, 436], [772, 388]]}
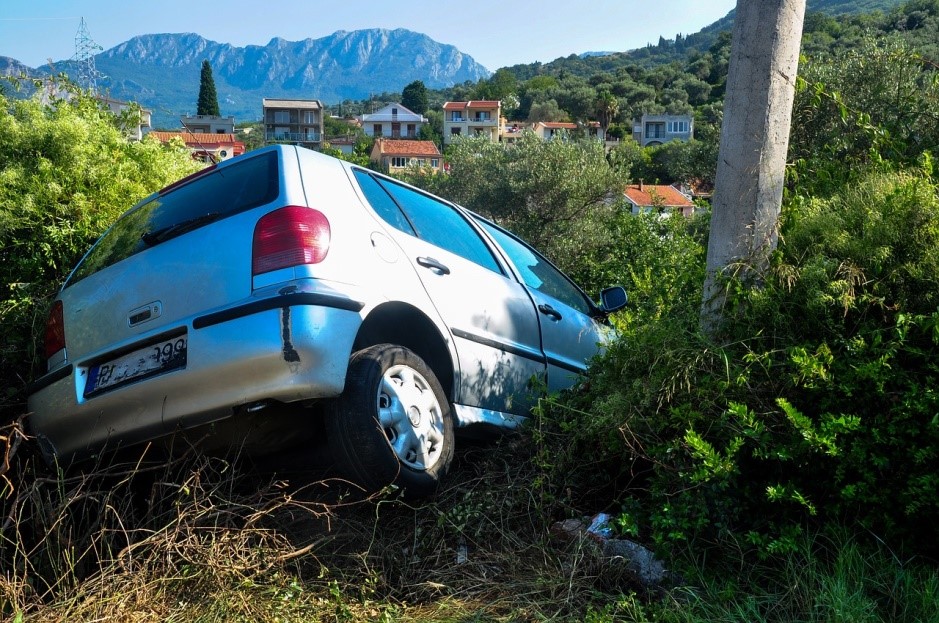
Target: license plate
{"points": [[141, 363]]}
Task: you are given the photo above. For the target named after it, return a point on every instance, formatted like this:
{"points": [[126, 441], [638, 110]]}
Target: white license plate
{"points": [[160, 357]]}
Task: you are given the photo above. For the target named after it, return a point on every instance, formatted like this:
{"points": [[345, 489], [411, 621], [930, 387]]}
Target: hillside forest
{"points": [[781, 469]]}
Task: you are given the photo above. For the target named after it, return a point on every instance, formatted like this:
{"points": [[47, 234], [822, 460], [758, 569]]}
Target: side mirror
{"points": [[613, 299]]}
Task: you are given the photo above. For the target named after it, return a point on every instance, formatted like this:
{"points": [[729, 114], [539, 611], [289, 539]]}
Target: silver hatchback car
{"points": [[286, 277]]}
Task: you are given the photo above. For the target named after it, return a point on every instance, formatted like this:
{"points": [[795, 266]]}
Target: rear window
{"points": [[208, 198]]}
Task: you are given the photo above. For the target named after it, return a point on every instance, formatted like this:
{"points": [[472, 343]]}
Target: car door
{"points": [[492, 318], [570, 333]]}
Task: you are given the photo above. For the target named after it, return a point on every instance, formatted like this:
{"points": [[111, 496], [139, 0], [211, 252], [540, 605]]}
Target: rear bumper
{"points": [[289, 348]]}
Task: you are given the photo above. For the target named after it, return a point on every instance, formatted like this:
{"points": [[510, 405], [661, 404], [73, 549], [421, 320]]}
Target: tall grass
{"points": [[204, 538]]}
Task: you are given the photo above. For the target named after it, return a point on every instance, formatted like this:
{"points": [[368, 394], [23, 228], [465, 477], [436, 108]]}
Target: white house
{"points": [[392, 121]]}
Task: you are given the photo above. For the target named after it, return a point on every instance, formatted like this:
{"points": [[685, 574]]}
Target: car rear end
{"points": [[217, 294]]}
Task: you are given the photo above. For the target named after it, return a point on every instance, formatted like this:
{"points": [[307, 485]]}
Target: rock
{"points": [[639, 560]]}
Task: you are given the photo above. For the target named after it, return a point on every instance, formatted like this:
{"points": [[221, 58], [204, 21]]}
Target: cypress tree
{"points": [[208, 98], [414, 97]]}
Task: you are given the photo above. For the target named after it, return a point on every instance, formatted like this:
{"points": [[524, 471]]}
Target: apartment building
{"points": [[295, 121], [473, 118]]}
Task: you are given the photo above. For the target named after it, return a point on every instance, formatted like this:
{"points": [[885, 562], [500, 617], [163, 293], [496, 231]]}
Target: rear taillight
{"points": [[289, 237], [55, 330]]}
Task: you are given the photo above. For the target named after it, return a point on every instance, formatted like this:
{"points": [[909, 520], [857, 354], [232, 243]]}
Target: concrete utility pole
{"points": [[764, 58]]}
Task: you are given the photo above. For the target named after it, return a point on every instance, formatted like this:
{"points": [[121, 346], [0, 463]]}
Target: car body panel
{"points": [[493, 323]]}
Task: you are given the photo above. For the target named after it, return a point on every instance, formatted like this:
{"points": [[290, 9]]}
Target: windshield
{"points": [[222, 192]]}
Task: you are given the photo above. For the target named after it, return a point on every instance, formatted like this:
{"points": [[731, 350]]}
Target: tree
{"points": [[554, 193], [433, 129], [414, 97], [876, 100], [546, 111], [606, 107], [502, 84], [208, 98]]}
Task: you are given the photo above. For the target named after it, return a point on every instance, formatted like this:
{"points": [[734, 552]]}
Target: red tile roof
{"points": [[483, 104], [471, 104], [402, 147], [559, 125], [203, 143], [197, 138], [645, 195]]}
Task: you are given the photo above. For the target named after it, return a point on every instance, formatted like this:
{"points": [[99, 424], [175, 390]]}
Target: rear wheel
{"points": [[392, 423]]}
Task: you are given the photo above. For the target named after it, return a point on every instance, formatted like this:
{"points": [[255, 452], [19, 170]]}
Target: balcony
{"points": [[488, 123], [655, 131], [292, 137]]}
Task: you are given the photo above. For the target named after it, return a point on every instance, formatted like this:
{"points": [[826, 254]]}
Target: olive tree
{"points": [[554, 193]]}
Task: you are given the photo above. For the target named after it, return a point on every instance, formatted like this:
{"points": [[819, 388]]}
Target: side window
{"points": [[382, 203], [537, 272], [441, 225]]}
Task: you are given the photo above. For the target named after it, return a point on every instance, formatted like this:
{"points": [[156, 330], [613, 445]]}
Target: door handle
{"points": [[547, 310], [429, 262]]}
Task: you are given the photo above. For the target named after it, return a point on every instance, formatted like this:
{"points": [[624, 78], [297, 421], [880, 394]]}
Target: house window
{"points": [[412, 130], [482, 115], [394, 111], [456, 116], [376, 129], [399, 162], [435, 163], [309, 117], [677, 127], [655, 130], [454, 131], [281, 116]]}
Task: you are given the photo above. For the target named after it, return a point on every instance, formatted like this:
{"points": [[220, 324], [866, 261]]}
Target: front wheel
{"points": [[392, 423]]}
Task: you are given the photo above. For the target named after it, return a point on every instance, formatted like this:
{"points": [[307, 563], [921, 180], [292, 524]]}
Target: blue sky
{"points": [[494, 33]]}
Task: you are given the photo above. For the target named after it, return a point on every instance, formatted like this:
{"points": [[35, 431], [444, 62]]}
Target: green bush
{"points": [[67, 171], [818, 401]]}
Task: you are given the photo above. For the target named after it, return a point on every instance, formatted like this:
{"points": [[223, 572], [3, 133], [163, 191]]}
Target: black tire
{"points": [[392, 424]]}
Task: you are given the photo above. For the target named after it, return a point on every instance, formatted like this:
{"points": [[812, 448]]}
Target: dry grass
{"points": [[209, 539]]}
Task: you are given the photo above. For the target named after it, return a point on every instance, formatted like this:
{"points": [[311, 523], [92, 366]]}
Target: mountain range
{"points": [[161, 71]]}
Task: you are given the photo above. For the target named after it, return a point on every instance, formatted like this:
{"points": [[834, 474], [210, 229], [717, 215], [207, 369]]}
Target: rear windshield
{"points": [[223, 192]]}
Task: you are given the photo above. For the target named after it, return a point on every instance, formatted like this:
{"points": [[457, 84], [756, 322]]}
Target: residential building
{"points": [[208, 124], [658, 198], [473, 118], [136, 130], [659, 129], [206, 147], [345, 144], [550, 129], [392, 121], [396, 155], [293, 121]]}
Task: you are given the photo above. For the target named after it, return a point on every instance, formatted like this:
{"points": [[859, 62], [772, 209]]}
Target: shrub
{"points": [[816, 403], [66, 172]]}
